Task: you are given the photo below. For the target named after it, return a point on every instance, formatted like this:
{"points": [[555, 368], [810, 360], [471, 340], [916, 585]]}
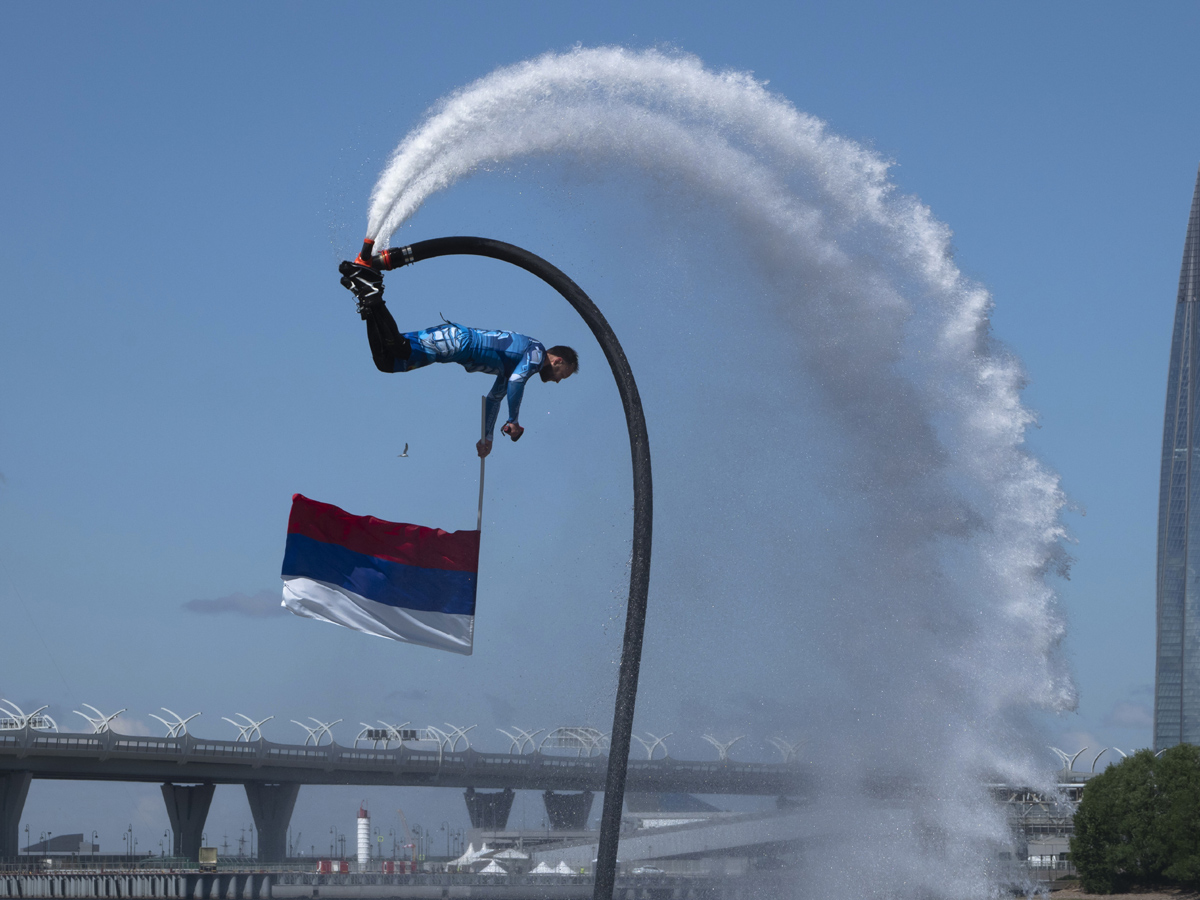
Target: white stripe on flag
{"points": [[338, 606]]}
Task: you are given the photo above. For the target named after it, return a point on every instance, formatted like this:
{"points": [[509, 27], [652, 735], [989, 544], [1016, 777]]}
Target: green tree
{"points": [[1139, 822], [1178, 773], [1118, 840]]}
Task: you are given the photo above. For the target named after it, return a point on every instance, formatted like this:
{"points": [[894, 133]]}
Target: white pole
{"points": [[482, 436]]}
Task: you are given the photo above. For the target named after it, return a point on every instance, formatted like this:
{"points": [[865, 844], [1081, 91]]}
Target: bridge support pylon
{"points": [[14, 787], [568, 812], [489, 812], [187, 808], [272, 805]]}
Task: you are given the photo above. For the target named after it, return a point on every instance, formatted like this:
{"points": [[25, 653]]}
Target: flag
{"points": [[405, 582]]}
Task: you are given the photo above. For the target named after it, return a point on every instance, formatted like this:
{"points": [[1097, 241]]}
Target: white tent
{"points": [[542, 868], [563, 869], [492, 868], [510, 853], [471, 855]]}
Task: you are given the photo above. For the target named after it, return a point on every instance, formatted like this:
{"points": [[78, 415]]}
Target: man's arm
{"points": [[531, 362], [491, 410]]}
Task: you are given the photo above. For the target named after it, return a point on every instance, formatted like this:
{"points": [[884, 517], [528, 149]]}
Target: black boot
{"points": [[365, 284]]}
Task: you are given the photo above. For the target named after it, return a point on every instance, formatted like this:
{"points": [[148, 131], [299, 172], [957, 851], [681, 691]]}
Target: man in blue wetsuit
{"points": [[513, 358]]}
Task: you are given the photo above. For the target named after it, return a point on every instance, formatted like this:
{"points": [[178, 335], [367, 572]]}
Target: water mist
{"points": [[922, 595]]}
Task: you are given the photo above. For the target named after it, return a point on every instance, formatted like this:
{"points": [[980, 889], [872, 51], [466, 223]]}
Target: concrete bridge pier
{"points": [[187, 807], [489, 811], [568, 812], [14, 787], [272, 805]]}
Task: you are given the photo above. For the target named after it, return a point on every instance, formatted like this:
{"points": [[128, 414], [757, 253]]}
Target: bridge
{"points": [[188, 769]]}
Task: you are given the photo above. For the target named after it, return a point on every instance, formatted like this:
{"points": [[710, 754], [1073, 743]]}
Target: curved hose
{"points": [[643, 506]]}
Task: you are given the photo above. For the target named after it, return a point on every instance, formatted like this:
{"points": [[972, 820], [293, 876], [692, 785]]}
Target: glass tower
{"points": [[1177, 666]]}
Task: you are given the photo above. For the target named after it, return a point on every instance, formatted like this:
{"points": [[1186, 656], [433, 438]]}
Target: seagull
{"points": [[405, 453]]}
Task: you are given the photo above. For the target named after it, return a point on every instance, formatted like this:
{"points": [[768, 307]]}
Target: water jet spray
{"points": [[922, 602]]}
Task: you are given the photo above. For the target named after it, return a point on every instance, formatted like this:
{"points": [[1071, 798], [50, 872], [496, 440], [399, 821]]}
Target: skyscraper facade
{"points": [[1177, 665]]}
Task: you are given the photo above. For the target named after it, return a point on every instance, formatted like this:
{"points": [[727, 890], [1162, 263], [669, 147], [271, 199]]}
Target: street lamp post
{"points": [[643, 517]]}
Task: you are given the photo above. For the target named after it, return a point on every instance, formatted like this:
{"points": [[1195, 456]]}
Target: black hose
{"points": [[643, 512]]}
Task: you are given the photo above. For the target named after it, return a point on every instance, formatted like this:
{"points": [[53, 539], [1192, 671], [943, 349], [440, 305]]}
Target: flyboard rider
{"points": [[513, 358]]}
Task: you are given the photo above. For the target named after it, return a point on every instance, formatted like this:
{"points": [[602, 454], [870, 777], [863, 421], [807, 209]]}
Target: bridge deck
{"points": [[111, 756]]}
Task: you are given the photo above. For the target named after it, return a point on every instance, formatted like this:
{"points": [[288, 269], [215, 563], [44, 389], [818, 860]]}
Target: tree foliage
{"points": [[1139, 823]]}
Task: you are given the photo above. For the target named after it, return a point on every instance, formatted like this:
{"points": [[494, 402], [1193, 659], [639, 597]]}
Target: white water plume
{"points": [[926, 597]]}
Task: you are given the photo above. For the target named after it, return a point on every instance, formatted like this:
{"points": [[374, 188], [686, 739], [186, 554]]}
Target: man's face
{"points": [[556, 369]]}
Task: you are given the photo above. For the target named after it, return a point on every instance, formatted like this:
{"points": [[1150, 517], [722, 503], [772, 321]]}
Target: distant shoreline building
{"points": [[1177, 663], [64, 845]]}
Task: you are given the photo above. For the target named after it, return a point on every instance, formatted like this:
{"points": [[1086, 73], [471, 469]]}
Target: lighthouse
{"points": [[364, 838]]}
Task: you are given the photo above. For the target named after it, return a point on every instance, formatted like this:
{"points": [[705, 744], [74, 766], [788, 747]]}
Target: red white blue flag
{"points": [[405, 582]]}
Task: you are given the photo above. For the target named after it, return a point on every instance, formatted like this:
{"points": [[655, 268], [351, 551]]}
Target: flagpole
{"points": [[482, 437]]}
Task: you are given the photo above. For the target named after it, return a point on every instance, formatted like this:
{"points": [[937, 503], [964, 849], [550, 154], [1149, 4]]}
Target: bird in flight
{"points": [[405, 453]]}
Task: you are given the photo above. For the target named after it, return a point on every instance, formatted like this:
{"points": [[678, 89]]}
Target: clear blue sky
{"points": [[176, 357]]}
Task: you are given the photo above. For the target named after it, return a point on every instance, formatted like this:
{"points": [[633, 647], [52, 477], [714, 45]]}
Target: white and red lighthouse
{"points": [[364, 838]]}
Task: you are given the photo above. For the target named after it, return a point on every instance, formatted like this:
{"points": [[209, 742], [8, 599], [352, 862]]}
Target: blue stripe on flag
{"points": [[384, 581]]}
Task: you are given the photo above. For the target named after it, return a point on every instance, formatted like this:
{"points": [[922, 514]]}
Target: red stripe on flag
{"points": [[413, 545]]}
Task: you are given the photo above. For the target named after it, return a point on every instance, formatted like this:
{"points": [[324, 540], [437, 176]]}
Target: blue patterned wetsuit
{"points": [[513, 358]]}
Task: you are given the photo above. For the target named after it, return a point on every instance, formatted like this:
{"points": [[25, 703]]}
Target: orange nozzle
{"points": [[364, 255]]}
